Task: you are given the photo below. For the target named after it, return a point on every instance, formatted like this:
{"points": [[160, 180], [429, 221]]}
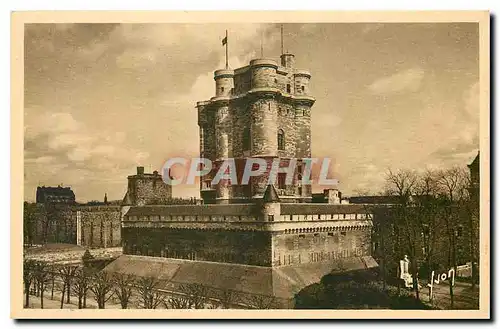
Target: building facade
{"points": [[59, 194], [147, 189], [262, 110]]}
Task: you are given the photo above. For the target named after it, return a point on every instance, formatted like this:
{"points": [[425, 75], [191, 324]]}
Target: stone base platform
{"points": [[252, 285]]}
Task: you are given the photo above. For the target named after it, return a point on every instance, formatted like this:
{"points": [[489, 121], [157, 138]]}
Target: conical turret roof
{"points": [[126, 200], [271, 195]]}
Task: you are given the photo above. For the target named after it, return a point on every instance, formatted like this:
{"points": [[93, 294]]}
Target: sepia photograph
{"points": [[250, 164]]}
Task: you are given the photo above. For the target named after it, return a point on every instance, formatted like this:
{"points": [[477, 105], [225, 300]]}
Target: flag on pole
{"points": [[224, 43]]}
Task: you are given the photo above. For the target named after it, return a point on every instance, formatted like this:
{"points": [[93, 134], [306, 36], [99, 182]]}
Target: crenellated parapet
{"points": [[270, 216], [260, 110]]}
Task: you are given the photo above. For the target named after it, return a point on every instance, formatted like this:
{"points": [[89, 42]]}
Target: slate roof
{"points": [[475, 162], [49, 193], [127, 201], [270, 195]]}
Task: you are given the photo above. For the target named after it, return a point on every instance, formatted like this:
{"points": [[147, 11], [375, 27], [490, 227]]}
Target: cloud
{"points": [[465, 143], [58, 149], [408, 80], [150, 44]]}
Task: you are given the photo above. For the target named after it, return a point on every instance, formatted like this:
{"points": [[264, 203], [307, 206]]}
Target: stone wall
{"points": [[99, 226], [243, 247], [289, 249], [49, 224], [145, 189], [261, 248]]}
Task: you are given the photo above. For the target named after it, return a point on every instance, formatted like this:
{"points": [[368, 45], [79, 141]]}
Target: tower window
{"points": [[288, 88], [246, 139], [222, 89], [303, 88], [281, 180], [281, 139]]}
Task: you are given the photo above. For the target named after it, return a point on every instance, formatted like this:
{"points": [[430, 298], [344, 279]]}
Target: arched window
{"points": [[246, 139], [281, 140]]}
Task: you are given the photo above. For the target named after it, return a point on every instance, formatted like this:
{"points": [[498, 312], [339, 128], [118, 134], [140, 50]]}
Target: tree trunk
{"points": [[85, 300], [450, 255], [472, 259], [79, 301], [399, 281], [62, 295], [67, 292], [415, 276], [52, 289], [27, 287], [100, 302], [41, 294]]}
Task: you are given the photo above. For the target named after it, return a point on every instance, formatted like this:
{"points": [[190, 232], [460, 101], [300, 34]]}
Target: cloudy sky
{"points": [[101, 99]]}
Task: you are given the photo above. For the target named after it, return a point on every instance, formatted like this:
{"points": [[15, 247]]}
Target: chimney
{"points": [[140, 170], [288, 60]]}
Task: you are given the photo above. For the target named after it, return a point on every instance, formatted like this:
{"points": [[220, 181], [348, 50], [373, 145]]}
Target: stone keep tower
{"points": [[262, 110], [146, 189]]}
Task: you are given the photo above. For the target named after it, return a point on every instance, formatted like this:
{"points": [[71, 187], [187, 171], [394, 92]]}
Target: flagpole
{"points": [[282, 39], [227, 66], [261, 45]]}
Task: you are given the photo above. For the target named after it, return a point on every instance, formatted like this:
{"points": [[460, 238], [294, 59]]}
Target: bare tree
{"points": [[196, 294], [402, 184], [427, 214], [41, 273], [262, 302], [150, 297], [228, 298], [178, 302], [102, 287], [123, 287], [453, 185], [28, 276], [66, 273], [81, 285]]}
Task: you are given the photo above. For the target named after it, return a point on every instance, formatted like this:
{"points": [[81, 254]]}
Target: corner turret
{"points": [[271, 206]]}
